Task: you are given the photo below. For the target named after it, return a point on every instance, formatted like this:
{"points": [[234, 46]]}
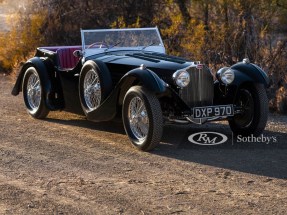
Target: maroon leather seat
{"points": [[66, 59]]}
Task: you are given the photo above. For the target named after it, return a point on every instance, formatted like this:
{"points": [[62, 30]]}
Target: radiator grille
{"points": [[200, 91]]}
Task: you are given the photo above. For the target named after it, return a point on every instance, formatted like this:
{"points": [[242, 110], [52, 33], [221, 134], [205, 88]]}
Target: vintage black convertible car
{"points": [[125, 72]]}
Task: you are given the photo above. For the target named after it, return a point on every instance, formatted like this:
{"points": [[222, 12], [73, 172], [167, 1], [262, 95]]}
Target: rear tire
{"points": [[95, 84], [253, 99], [33, 94], [142, 118]]}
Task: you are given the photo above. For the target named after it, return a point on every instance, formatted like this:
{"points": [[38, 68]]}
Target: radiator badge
{"points": [[199, 66]]}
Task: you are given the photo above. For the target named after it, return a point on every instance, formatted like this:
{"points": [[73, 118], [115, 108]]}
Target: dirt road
{"points": [[67, 165]]}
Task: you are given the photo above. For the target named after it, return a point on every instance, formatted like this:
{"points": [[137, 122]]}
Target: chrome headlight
{"points": [[225, 75], [181, 78]]}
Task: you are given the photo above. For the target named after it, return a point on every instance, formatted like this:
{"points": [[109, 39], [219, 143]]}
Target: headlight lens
{"points": [[225, 75], [181, 78]]}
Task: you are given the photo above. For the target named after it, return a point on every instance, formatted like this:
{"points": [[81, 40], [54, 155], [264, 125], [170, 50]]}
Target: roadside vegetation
{"points": [[216, 32]]}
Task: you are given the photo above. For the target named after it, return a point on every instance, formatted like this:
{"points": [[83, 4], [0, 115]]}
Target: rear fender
{"points": [[45, 79]]}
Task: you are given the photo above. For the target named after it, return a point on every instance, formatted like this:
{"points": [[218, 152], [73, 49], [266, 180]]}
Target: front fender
{"points": [[249, 73], [44, 78], [140, 76], [145, 77], [245, 73]]}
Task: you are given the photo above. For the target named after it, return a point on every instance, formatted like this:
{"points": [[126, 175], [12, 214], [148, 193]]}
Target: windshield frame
{"points": [[92, 51]]}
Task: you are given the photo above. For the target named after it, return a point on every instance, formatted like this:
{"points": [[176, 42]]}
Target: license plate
{"points": [[213, 111]]}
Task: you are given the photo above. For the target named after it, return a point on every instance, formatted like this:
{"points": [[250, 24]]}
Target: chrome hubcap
{"points": [[92, 89], [138, 118], [34, 91]]}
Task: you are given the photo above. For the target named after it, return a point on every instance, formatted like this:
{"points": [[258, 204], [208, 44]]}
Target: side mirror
{"points": [[78, 53]]}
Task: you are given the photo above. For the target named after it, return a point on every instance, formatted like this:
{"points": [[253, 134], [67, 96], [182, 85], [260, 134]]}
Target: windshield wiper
{"points": [[112, 46], [143, 48]]}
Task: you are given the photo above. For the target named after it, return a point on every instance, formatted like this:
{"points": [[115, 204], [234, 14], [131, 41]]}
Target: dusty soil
{"points": [[67, 165]]}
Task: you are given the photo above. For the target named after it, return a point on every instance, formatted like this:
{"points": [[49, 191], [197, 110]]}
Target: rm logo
{"points": [[207, 138]]}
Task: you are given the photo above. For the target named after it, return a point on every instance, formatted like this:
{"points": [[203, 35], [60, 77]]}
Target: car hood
{"points": [[152, 60]]}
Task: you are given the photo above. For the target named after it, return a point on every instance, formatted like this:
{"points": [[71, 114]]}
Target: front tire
{"points": [[33, 94], [252, 121], [142, 118]]}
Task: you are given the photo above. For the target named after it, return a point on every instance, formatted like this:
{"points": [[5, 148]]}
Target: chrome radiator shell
{"points": [[200, 91]]}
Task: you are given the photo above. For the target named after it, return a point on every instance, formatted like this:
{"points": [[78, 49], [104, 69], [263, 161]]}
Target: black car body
{"points": [[142, 84]]}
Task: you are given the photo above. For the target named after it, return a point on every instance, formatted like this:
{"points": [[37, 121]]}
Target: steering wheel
{"points": [[99, 44]]}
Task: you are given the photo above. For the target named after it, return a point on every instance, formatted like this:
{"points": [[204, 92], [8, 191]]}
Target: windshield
{"points": [[94, 41]]}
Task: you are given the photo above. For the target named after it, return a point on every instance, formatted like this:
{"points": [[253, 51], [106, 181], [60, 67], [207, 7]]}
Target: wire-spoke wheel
{"points": [[95, 85], [142, 118], [138, 118], [92, 89], [33, 95], [254, 103]]}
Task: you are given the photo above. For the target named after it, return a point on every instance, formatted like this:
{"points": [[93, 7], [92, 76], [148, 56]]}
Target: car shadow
{"points": [[114, 126], [255, 156], [260, 158]]}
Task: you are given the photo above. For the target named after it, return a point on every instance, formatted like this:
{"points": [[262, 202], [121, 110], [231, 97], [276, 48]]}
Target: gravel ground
{"points": [[67, 165]]}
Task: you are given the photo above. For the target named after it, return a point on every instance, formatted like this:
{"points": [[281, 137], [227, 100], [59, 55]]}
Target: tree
{"points": [[24, 36]]}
